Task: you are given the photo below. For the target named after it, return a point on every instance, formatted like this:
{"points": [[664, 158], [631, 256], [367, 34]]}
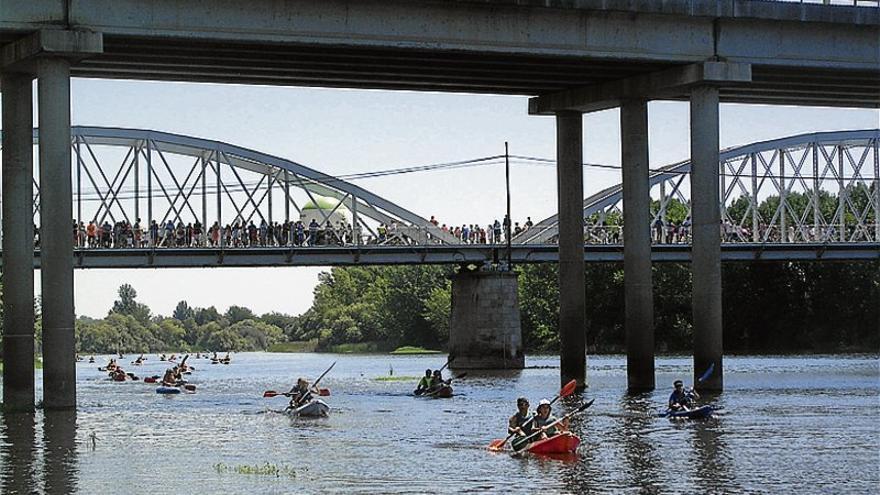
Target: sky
{"points": [[352, 131]]}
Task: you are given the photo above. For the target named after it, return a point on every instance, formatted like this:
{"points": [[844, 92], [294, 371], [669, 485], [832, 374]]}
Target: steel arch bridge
{"points": [[122, 175], [816, 188]]}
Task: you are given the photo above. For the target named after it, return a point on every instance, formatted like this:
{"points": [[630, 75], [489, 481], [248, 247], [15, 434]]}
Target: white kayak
{"points": [[314, 409]]}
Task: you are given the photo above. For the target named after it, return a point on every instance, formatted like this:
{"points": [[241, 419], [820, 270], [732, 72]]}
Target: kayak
{"points": [[314, 409], [700, 412], [167, 390], [564, 443], [443, 392]]}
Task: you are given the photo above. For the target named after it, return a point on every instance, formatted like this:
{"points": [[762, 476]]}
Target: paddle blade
{"points": [[706, 374], [568, 389], [585, 406], [497, 445], [190, 387], [270, 393], [324, 392]]}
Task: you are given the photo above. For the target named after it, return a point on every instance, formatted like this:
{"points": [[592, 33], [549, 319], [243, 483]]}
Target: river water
{"points": [[788, 425]]}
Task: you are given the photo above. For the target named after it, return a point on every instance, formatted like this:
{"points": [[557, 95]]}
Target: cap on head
{"points": [[544, 402], [428, 371], [522, 400], [677, 383]]}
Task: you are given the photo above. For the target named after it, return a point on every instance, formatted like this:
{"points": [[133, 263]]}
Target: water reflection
{"points": [[713, 470], [641, 456], [18, 454], [59, 439]]}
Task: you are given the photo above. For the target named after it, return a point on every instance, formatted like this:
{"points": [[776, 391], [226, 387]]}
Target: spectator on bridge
{"points": [[263, 232], [92, 234], [529, 223], [658, 230], [313, 232]]}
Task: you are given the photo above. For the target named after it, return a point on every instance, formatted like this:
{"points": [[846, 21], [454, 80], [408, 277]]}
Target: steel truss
{"points": [[775, 191], [131, 175]]}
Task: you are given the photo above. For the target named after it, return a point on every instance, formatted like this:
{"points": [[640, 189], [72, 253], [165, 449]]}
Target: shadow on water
{"points": [[19, 455], [59, 447]]}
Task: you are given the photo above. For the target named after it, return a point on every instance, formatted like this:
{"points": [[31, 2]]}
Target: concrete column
{"points": [[706, 250], [18, 243], [572, 297], [638, 288], [484, 328], [59, 371]]}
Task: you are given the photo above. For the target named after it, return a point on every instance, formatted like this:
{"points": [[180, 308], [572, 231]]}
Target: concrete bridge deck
{"points": [[800, 53]]}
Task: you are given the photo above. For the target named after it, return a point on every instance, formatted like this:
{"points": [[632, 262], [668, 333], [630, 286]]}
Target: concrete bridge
{"points": [[573, 57]]}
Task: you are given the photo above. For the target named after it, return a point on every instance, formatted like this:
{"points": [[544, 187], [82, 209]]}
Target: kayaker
{"points": [[436, 381], [300, 393], [111, 365], [543, 420], [171, 377], [521, 422], [424, 383], [681, 399]]}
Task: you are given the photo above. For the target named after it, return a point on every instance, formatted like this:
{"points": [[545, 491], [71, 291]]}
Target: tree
{"points": [[183, 312], [236, 314], [127, 304]]}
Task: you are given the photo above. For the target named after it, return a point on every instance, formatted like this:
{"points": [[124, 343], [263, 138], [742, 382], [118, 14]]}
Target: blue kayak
{"points": [[700, 412], [167, 390]]}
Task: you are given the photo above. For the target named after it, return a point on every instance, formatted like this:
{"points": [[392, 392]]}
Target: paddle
{"points": [[583, 407], [299, 399], [448, 360], [567, 390], [323, 392]]}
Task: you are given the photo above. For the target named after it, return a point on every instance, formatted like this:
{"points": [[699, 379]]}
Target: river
{"points": [[794, 424]]}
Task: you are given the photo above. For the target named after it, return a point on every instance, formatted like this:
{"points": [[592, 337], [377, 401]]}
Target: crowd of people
{"points": [[123, 234], [240, 234]]}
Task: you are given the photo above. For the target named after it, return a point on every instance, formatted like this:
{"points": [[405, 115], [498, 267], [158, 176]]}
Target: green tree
{"points": [[183, 312], [127, 304]]}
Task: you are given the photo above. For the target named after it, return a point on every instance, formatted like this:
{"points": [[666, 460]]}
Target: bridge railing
{"points": [[122, 236]]}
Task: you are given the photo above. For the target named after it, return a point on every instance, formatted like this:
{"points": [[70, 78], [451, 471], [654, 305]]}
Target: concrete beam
{"points": [[670, 83], [22, 55]]}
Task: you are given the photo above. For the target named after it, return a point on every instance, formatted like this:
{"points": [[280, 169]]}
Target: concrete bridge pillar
{"points": [[638, 287], [56, 238], [572, 296], [706, 225], [484, 330], [18, 242]]}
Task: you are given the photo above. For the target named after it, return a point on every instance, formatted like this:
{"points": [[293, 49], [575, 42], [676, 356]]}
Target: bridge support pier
{"points": [[484, 331], [706, 224], [18, 243], [638, 287], [572, 296], [56, 240]]}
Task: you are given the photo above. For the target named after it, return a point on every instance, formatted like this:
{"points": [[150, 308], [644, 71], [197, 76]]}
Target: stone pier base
{"points": [[484, 331]]}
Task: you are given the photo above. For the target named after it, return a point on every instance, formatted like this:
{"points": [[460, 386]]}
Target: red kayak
{"points": [[563, 443]]}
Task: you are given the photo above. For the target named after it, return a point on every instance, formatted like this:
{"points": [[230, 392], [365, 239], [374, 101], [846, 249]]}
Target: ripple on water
{"points": [[788, 424]]}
